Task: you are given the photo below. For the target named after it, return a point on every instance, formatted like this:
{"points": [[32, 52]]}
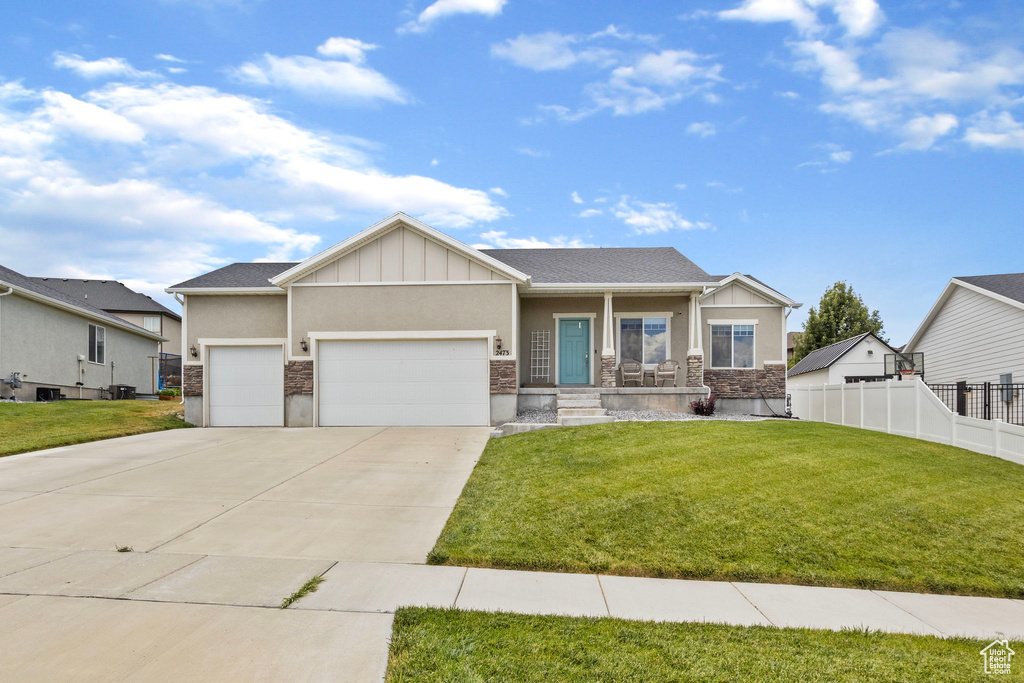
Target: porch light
{"points": [[497, 343], [192, 350], [304, 344]]}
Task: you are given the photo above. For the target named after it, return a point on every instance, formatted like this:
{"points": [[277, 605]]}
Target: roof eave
{"points": [[763, 290], [225, 290], [616, 286]]}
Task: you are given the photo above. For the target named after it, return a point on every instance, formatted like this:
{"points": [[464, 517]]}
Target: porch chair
{"points": [[632, 371], [667, 371]]}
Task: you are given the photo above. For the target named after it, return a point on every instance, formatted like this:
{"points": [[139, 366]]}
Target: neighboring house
{"points": [[114, 297], [54, 340], [975, 331], [791, 339], [860, 356], [401, 324]]}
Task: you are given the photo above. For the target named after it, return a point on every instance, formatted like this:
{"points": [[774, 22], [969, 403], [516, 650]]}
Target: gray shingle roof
{"points": [[237, 275], [16, 279], [110, 295], [824, 357], [616, 264], [1010, 285]]}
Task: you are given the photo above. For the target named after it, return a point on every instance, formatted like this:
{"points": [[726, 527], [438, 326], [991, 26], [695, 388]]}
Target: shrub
{"points": [[169, 392], [705, 407]]}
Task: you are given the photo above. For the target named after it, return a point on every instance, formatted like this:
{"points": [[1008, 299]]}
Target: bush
{"points": [[169, 392], [705, 407]]}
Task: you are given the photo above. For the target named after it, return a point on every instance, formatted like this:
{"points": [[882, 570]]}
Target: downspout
{"points": [[184, 339]]}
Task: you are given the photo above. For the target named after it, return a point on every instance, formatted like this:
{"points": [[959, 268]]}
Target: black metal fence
{"points": [[986, 401], [170, 371]]}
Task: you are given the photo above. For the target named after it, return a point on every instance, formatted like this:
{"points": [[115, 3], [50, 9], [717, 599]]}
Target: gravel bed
{"points": [[658, 416], [536, 416]]}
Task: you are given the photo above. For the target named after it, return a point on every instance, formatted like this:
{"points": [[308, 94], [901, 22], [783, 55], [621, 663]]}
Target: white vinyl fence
{"points": [[906, 408]]}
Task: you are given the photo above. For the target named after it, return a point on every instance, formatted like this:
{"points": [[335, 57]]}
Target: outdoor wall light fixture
{"points": [[304, 344], [497, 343], [193, 352]]}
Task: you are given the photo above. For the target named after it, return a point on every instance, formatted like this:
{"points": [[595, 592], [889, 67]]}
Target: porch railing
{"points": [[985, 401]]}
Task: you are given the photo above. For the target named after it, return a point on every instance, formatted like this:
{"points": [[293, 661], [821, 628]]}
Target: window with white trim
{"points": [[151, 323], [97, 344], [732, 346], [643, 339]]}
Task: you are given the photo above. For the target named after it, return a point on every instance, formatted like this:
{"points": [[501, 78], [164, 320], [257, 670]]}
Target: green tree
{"points": [[841, 314]]}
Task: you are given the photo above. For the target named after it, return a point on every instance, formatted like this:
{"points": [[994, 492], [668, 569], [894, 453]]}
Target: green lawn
{"points": [[33, 426], [448, 645], [785, 502]]}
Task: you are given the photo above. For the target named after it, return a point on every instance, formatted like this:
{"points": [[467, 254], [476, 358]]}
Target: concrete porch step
{"points": [[572, 403], [581, 412], [580, 396], [580, 421], [576, 390]]}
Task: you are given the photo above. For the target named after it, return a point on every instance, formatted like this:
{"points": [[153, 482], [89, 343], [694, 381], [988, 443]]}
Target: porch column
{"points": [[695, 355], [608, 370]]}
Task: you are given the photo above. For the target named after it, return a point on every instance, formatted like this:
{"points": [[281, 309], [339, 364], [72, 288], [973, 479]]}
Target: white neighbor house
{"points": [[860, 356], [975, 331]]}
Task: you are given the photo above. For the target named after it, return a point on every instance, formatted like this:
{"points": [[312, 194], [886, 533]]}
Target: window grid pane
{"points": [[743, 346], [631, 339], [655, 340], [721, 346]]}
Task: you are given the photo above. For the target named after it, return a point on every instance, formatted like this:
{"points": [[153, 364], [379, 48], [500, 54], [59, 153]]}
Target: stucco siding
{"points": [[402, 255], [973, 338], [767, 332], [169, 327], [403, 308], [236, 317], [43, 344], [538, 314], [735, 295]]}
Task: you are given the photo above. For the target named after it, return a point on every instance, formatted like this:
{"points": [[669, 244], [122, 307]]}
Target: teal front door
{"points": [[574, 351]]}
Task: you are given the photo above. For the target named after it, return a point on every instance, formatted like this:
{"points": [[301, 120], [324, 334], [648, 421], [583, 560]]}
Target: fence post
{"points": [[987, 405], [961, 399], [995, 428], [917, 408], [842, 403], [888, 406], [862, 405]]}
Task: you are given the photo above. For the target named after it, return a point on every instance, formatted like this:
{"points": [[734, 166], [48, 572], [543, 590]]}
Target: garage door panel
{"points": [[435, 382], [246, 386]]}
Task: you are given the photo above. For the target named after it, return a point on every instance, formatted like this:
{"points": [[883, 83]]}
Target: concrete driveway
{"points": [[223, 524]]}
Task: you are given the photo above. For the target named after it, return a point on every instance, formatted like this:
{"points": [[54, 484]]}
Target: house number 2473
{"points": [[502, 352]]}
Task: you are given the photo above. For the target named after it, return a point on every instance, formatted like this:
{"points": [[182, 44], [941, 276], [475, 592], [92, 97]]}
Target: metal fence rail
{"points": [[985, 401]]}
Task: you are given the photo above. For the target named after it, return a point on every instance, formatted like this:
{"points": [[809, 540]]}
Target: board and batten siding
{"points": [[973, 338]]}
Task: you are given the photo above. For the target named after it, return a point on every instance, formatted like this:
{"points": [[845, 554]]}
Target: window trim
{"points": [[732, 340], [159, 323], [667, 315], [93, 349]]}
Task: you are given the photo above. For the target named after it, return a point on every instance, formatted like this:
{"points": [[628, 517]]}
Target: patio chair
{"points": [[632, 371], [667, 371]]}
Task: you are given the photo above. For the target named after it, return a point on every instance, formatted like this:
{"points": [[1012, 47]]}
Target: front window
{"points": [[732, 346], [97, 344], [152, 323], [643, 339]]}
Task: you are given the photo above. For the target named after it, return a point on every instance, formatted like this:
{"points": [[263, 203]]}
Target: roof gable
{"points": [[1007, 288], [754, 285], [826, 356], [380, 229]]}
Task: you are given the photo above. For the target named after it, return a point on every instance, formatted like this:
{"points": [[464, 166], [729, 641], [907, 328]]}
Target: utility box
{"points": [[122, 392]]}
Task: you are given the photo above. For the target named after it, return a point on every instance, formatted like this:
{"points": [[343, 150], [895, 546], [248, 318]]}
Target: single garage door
{"points": [[436, 382], [246, 386]]}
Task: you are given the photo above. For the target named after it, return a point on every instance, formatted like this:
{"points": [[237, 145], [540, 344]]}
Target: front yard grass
{"points": [[449, 645], [782, 502], [33, 426]]}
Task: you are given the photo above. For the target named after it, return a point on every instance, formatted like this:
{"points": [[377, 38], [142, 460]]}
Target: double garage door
{"points": [[407, 382]]}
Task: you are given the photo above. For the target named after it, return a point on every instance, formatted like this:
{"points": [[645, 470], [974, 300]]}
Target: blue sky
{"points": [[802, 141]]}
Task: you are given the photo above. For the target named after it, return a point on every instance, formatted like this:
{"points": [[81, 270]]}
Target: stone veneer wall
{"points": [[609, 373], [503, 377], [298, 377], [747, 383], [192, 380], [694, 371]]}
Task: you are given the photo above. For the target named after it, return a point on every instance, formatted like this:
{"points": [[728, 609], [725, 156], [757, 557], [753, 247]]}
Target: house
{"points": [[49, 339], [859, 356], [975, 331], [114, 297], [402, 324]]}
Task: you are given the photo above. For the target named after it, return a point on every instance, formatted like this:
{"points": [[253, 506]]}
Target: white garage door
{"points": [[246, 386], [437, 382]]}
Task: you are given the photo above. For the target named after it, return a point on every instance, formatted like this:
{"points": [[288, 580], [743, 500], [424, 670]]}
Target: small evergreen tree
{"points": [[841, 314]]}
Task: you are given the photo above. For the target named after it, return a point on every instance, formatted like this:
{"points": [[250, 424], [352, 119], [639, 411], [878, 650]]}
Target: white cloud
{"points": [[169, 58], [575, 196], [843, 156], [680, 186], [351, 49], [344, 81], [702, 129], [105, 68], [501, 240], [858, 17], [719, 185], [922, 132], [175, 70], [540, 51], [996, 131], [649, 219], [531, 152], [651, 82], [498, 191], [590, 213], [446, 8], [84, 118]]}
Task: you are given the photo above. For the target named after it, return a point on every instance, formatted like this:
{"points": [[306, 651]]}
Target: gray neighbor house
{"points": [[51, 339]]}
